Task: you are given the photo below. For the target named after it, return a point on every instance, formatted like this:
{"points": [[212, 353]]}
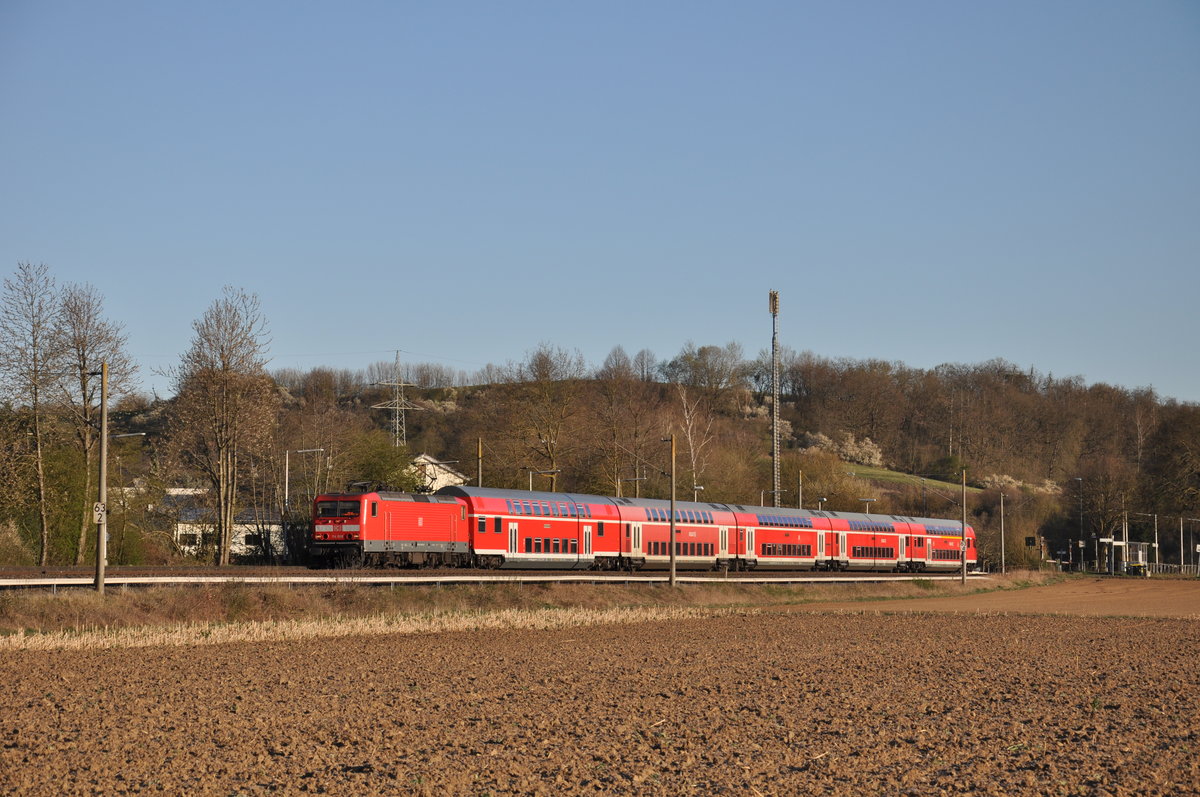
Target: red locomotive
{"points": [[491, 528]]}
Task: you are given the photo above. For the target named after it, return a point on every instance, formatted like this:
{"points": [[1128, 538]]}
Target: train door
{"points": [[587, 539], [843, 554], [724, 541], [902, 551], [512, 536], [750, 552], [820, 546], [637, 540]]}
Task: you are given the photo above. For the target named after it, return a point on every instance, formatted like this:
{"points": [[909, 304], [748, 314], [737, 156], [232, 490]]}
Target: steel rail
{"points": [[70, 581]]}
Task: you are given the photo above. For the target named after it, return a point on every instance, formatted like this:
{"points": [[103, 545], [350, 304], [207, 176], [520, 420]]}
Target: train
{"points": [[485, 527]]}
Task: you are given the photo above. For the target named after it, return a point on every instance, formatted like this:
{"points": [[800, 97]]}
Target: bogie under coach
{"points": [[493, 528]]}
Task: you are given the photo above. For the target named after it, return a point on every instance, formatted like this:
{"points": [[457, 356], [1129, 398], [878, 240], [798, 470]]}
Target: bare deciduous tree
{"points": [[88, 340], [547, 399], [625, 408], [31, 353], [226, 403]]}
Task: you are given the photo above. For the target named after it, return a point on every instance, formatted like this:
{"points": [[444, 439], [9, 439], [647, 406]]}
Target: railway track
{"points": [[71, 577]]}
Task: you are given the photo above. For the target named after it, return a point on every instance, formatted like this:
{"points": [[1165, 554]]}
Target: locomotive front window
{"points": [[338, 509]]}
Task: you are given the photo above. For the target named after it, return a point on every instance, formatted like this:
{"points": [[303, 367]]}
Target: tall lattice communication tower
{"points": [[775, 489], [399, 405]]}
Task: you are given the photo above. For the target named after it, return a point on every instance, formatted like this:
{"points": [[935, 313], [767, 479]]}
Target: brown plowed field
{"points": [[900, 697]]}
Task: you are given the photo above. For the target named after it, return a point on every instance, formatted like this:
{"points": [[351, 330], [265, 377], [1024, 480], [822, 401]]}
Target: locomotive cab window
{"points": [[374, 509], [338, 509]]}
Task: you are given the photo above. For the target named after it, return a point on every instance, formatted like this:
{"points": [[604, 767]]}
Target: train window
{"points": [[526, 509], [600, 529], [557, 543], [546, 544], [537, 544], [528, 545], [508, 503], [338, 509], [374, 509], [537, 509], [482, 525], [574, 546]]}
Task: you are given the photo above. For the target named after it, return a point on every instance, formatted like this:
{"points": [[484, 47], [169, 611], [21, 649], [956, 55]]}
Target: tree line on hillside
{"points": [[1069, 458]]}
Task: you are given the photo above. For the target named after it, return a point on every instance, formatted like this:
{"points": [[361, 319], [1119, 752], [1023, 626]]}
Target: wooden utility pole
{"points": [[1002, 566], [674, 544], [963, 543]]}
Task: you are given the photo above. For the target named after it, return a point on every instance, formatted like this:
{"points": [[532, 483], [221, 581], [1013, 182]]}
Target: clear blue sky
{"points": [[925, 182]]}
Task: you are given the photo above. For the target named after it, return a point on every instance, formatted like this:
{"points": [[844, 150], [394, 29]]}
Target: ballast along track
{"points": [[72, 577]]}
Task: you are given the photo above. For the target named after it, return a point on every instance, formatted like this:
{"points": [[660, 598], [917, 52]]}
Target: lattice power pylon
{"points": [[399, 405]]}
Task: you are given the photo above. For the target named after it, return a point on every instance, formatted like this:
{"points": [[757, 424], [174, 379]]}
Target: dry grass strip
{"points": [[292, 630]]}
